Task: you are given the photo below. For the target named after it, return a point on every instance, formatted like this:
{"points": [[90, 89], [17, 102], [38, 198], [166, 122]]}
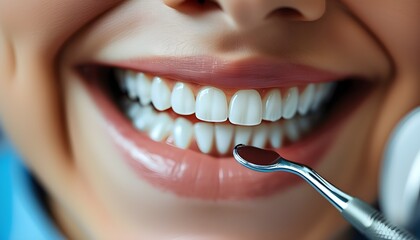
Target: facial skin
{"points": [[57, 128]]}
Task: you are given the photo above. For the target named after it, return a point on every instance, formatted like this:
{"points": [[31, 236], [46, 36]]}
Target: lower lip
{"points": [[191, 174]]}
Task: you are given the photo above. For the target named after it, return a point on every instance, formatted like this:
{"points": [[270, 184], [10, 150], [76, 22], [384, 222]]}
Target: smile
{"points": [[215, 120], [176, 122]]}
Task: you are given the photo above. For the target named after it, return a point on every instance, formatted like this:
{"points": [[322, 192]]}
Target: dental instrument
{"points": [[363, 217]]}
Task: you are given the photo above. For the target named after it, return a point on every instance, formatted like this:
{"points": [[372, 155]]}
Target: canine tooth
{"points": [[292, 130], [224, 135], [161, 95], [130, 82], [182, 99], [290, 103], [245, 108], [242, 135], [306, 99], [161, 127], [259, 137], [183, 133], [143, 88], [144, 118], [272, 105], [276, 135], [211, 105], [204, 135]]}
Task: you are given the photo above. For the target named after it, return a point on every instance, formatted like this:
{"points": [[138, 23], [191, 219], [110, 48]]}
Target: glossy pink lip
{"points": [[192, 174], [249, 73]]}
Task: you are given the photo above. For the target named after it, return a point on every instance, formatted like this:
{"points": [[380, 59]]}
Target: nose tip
{"points": [[254, 12], [246, 13]]}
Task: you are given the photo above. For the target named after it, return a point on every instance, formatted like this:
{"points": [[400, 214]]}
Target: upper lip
{"points": [[246, 73]]}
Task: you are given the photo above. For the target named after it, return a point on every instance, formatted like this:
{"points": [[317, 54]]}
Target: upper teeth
{"points": [[245, 108], [210, 104]]}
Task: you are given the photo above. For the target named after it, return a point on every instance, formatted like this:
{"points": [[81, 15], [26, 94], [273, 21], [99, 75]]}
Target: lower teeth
{"points": [[215, 138]]}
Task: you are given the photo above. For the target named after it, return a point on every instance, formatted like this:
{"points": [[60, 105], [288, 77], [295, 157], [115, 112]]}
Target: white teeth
{"points": [[130, 78], [290, 103], [272, 105], [183, 133], [143, 88], [211, 105], [242, 135], [245, 108], [306, 99], [212, 137], [224, 135], [144, 118], [161, 128], [259, 137], [204, 135], [182, 99], [160, 94], [276, 135]]}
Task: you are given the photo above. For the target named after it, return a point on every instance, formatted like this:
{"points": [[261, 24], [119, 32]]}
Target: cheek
{"points": [[32, 34], [395, 25], [47, 24]]}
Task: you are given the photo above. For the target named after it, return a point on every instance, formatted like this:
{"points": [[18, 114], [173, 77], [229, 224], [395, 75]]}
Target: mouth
{"points": [[177, 121], [212, 121]]}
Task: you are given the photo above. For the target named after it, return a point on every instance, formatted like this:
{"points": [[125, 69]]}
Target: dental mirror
{"points": [[363, 217]]}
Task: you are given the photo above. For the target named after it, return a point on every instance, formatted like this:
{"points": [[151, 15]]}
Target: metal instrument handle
{"points": [[371, 223]]}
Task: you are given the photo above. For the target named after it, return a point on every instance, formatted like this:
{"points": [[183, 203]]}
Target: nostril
{"points": [[193, 5], [207, 3], [288, 13]]}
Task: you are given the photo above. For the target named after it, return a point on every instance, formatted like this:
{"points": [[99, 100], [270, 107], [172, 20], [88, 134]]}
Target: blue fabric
{"points": [[23, 215]]}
